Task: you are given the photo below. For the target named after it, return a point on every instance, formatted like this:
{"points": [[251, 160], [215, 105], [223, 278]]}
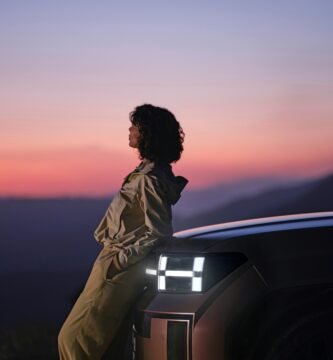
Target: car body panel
{"points": [[242, 224], [288, 259]]}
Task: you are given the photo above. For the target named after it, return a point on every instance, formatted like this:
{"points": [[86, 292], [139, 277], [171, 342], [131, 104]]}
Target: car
{"points": [[259, 289]]}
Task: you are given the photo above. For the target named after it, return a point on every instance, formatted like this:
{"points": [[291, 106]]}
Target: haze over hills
{"points": [[47, 246], [302, 197], [199, 201], [57, 234]]}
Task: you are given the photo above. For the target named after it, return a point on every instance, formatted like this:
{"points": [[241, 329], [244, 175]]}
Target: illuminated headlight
{"points": [[180, 273], [190, 273]]}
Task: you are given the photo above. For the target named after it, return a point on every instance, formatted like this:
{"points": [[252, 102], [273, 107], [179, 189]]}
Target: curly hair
{"points": [[161, 136]]}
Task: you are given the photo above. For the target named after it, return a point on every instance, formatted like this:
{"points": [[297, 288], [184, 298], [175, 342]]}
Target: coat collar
{"points": [[145, 166]]}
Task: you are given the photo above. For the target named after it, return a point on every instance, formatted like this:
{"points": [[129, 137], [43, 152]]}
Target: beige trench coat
{"points": [[138, 219]]}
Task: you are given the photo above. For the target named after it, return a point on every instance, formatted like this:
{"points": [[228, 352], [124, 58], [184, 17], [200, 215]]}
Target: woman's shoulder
{"points": [[145, 171], [162, 178], [155, 179], [147, 174]]}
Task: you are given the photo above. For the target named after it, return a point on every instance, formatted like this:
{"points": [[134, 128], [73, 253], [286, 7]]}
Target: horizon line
{"points": [[109, 196]]}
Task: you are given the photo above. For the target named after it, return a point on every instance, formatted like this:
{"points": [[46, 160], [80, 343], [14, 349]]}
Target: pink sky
{"points": [[251, 88]]}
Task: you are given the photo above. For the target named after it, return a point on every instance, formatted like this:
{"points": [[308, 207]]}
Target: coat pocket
{"points": [[106, 259]]}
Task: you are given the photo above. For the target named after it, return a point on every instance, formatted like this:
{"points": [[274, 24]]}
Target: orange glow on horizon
{"points": [[94, 171]]}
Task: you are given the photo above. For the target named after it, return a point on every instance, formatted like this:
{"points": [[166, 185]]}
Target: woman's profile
{"points": [[138, 219]]}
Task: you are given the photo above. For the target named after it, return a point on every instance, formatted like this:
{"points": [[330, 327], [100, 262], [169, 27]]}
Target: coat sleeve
{"points": [[158, 222]]}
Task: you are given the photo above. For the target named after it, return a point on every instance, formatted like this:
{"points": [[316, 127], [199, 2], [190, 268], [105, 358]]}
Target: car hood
{"points": [[186, 245]]}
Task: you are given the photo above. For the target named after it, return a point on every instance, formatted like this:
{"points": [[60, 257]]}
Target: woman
{"points": [[137, 220]]}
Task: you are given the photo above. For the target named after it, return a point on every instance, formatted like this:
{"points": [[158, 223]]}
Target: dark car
{"points": [[248, 290]]}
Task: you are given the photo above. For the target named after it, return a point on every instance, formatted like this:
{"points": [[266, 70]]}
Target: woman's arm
{"points": [[158, 221]]}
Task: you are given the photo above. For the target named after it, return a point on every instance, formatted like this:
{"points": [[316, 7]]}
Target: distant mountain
{"points": [[47, 246], [194, 202], [57, 234], [310, 196], [49, 234]]}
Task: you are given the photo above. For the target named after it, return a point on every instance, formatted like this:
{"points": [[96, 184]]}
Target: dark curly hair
{"points": [[161, 136]]}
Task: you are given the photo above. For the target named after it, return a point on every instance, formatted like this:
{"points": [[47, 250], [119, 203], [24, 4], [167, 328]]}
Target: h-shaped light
{"points": [[195, 273]]}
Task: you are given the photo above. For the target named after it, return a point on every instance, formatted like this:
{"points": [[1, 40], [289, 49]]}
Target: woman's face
{"points": [[134, 136]]}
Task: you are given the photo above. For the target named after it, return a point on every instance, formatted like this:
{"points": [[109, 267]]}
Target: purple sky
{"points": [[250, 82]]}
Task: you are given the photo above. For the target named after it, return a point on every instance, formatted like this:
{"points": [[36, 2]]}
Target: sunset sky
{"points": [[251, 83]]}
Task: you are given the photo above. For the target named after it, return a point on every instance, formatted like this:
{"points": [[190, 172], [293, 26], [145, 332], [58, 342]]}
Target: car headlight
{"points": [[193, 273]]}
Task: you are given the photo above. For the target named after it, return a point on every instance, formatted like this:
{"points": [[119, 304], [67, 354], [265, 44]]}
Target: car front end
{"points": [[236, 291], [192, 300]]}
